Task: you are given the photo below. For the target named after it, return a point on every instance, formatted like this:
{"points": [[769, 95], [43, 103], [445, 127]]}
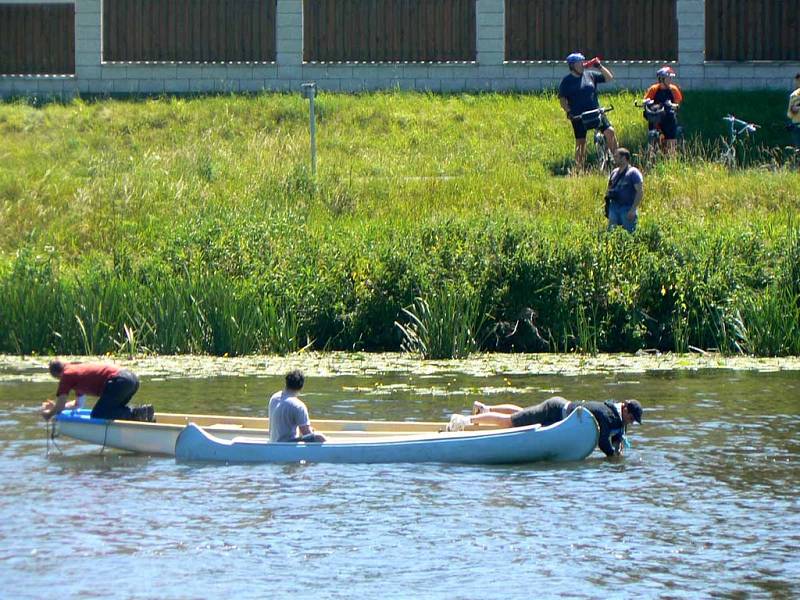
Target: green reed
{"points": [[446, 325]]}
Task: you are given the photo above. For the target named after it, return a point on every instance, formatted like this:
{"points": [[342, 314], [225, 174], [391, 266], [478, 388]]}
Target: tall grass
{"points": [[194, 226], [448, 325]]}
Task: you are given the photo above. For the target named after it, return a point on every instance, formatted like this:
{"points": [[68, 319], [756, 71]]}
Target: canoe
{"points": [[572, 439], [160, 437]]}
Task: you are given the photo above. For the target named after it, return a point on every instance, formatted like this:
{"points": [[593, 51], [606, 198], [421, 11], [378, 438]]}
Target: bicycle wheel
{"points": [[605, 160], [653, 143], [728, 157]]}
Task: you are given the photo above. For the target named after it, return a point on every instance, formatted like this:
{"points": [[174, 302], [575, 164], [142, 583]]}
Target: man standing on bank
{"points": [[612, 417], [625, 193], [578, 94], [287, 413], [793, 112], [113, 386]]}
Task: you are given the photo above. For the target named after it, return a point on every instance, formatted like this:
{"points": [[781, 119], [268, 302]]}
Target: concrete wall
{"points": [[489, 72]]}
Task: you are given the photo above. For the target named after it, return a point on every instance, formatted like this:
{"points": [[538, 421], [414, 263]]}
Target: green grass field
{"points": [[194, 225]]}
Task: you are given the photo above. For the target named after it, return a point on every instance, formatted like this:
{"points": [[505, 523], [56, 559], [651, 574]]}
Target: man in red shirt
{"points": [[113, 386]]}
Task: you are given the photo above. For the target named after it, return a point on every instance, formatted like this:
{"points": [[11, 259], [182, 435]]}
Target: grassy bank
{"points": [[193, 225]]}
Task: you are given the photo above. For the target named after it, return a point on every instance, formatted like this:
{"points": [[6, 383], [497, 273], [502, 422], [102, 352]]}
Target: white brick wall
{"points": [[489, 72]]}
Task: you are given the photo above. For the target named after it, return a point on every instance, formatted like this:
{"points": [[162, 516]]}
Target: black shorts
{"points": [[580, 128], [545, 413], [668, 126]]}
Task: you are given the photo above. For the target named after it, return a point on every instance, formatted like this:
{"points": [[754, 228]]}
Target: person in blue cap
{"points": [[612, 417], [578, 94]]}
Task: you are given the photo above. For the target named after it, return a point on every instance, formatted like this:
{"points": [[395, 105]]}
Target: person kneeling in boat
{"points": [[287, 413], [612, 417], [113, 386]]}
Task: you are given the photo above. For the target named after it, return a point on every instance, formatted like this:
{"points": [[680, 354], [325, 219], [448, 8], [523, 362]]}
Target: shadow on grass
{"points": [[561, 167]]}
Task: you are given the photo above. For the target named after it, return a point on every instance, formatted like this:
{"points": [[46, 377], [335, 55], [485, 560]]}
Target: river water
{"points": [[705, 503]]}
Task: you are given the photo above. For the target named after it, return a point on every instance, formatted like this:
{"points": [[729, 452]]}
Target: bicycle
{"points": [[738, 129], [654, 114], [592, 119]]}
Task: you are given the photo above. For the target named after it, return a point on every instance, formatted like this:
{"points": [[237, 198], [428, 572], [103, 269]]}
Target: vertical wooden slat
{"points": [[405, 31], [309, 30], [712, 26], [373, 33], [253, 20], [126, 23], [323, 29], [5, 40], [116, 34], [108, 34], [8, 57], [209, 39], [397, 30], [327, 25], [317, 16]]}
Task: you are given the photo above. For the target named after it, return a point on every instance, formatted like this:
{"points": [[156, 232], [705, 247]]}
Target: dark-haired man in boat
{"points": [[288, 414], [612, 417], [113, 386]]}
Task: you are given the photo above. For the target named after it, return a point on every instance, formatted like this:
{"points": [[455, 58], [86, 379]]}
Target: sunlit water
{"points": [[704, 504]]}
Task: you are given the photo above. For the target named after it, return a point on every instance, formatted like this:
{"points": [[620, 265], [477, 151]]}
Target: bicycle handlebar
{"points": [[600, 110], [648, 105], [745, 125]]}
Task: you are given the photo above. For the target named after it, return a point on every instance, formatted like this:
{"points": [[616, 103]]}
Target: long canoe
{"points": [[160, 437], [572, 439]]}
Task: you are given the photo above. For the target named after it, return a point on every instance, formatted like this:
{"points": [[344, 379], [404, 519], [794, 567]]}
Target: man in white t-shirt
{"points": [[287, 414]]}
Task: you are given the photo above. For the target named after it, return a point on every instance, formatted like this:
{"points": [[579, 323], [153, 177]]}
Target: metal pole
{"points": [[309, 91], [313, 139]]}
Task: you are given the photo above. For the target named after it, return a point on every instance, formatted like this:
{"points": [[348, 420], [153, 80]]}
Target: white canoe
{"points": [[574, 438], [160, 437]]}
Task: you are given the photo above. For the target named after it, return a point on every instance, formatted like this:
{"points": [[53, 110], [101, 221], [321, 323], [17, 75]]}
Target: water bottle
{"points": [[592, 62]]}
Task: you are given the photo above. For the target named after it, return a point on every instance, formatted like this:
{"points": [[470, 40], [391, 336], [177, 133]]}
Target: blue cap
{"points": [[575, 57], [635, 409]]}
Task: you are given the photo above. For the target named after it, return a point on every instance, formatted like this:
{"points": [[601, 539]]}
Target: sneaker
{"points": [[478, 408], [145, 414], [458, 423]]}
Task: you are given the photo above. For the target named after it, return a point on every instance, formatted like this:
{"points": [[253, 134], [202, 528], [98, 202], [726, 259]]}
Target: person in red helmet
{"points": [[663, 99]]}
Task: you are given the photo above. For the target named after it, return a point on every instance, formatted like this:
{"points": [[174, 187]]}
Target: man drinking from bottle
{"points": [[578, 94]]}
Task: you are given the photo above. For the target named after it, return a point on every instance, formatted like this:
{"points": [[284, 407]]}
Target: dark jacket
{"points": [[609, 420]]}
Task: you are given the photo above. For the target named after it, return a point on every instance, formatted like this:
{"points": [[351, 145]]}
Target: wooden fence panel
{"points": [[37, 39], [613, 29], [389, 30], [745, 30], [189, 30]]}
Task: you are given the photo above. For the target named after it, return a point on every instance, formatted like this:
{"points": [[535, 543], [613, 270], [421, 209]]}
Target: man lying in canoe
{"points": [[113, 386], [612, 417], [287, 413]]}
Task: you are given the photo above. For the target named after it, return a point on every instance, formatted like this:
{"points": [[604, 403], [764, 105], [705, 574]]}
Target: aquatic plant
{"points": [[446, 325]]}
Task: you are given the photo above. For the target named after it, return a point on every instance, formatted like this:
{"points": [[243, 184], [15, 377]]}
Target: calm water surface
{"points": [[705, 504]]}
